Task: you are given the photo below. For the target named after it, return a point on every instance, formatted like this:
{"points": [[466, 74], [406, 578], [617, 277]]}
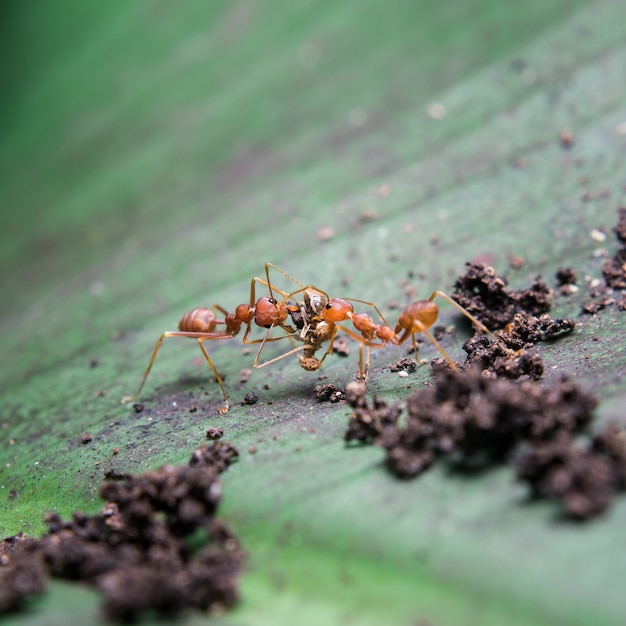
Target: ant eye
{"points": [[329, 306], [267, 326], [272, 301]]}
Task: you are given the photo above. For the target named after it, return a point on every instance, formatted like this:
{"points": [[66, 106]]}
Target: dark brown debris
{"points": [[214, 434], [327, 392], [404, 364], [22, 572], [511, 354], [584, 476], [495, 357], [250, 398], [475, 421], [485, 295], [566, 276], [136, 551], [614, 272], [341, 347], [368, 423], [620, 229]]}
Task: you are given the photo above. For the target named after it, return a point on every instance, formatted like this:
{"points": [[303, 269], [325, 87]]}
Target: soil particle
{"points": [[584, 476], [404, 364], [214, 433], [484, 294], [113, 474], [136, 550], [614, 272], [566, 276], [341, 347], [511, 354], [22, 572], [250, 398], [620, 229], [368, 423], [475, 421], [327, 392], [495, 358]]}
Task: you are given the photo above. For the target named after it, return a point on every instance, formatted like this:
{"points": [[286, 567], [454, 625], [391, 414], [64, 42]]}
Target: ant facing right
{"points": [[316, 317]]}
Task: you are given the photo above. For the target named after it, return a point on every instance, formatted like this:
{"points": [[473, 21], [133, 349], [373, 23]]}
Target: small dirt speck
{"points": [[214, 433], [250, 398]]}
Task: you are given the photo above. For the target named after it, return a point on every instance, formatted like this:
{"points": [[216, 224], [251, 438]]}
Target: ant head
{"points": [[268, 312], [337, 310]]}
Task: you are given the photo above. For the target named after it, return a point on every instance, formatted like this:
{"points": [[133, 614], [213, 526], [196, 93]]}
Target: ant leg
{"points": [[203, 336], [439, 347], [363, 373], [126, 399], [465, 312], [223, 409], [264, 341], [258, 365], [405, 335], [371, 304], [288, 276], [363, 343]]}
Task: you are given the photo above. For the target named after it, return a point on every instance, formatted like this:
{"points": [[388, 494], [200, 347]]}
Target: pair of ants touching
{"points": [[310, 320]]}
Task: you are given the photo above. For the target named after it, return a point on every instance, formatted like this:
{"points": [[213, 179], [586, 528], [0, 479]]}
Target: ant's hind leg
{"points": [[126, 399], [439, 347], [462, 310], [223, 409]]}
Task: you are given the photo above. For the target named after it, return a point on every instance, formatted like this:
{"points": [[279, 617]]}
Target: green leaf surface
{"points": [[156, 155]]}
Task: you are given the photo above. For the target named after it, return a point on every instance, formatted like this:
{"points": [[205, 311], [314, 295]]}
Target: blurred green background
{"points": [[155, 155]]}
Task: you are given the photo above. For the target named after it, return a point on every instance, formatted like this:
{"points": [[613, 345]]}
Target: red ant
{"points": [[202, 324], [320, 318], [317, 317]]}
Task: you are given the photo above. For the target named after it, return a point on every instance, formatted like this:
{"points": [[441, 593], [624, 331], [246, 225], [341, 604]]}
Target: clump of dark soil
{"points": [[584, 476], [250, 398], [475, 421], [615, 269], [520, 317], [485, 295], [369, 422], [404, 364], [614, 273], [327, 392], [138, 551], [511, 355]]}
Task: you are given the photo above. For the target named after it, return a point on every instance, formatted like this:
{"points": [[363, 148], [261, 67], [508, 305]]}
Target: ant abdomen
{"points": [[198, 320]]}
